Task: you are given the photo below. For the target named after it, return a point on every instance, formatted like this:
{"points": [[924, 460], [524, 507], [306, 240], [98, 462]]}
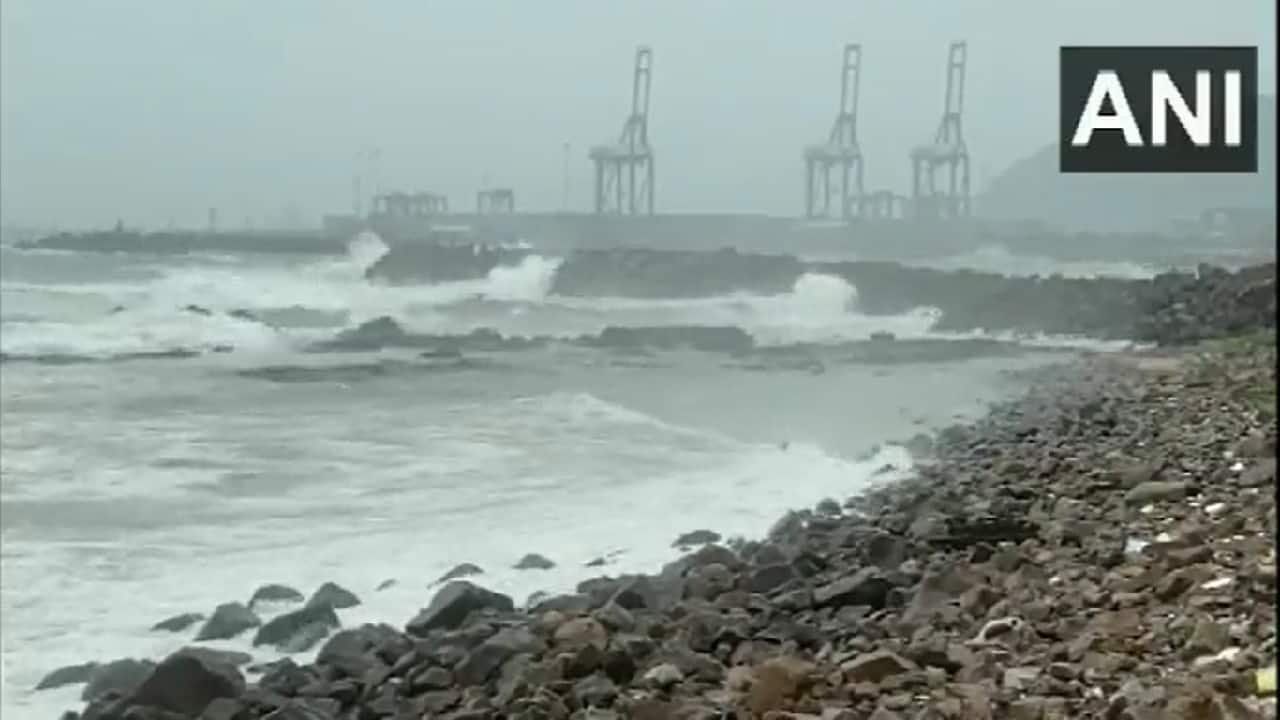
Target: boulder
{"points": [[227, 621], [534, 561], [280, 629], [274, 593], [334, 596], [118, 676], [218, 657], [453, 603], [460, 571], [867, 586], [68, 675], [178, 623], [186, 683], [696, 537], [482, 662], [582, 631]]}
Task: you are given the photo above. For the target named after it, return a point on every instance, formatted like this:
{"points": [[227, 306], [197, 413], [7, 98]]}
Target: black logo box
{"points": [[1107, 151]]}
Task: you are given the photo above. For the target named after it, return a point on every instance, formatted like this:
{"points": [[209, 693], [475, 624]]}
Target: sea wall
{"points": [[560, 233], [1213, 301]]}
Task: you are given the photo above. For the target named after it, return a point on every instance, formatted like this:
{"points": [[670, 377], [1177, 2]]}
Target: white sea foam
{"points": [[568, 475]]}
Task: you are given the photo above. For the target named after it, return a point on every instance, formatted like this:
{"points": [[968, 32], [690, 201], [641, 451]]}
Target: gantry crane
{"points": [[839, 152], [947, 151], [496, 201], [624, 180]]}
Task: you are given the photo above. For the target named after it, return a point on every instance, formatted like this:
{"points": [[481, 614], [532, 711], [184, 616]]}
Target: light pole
{"points": [[564, 175]]}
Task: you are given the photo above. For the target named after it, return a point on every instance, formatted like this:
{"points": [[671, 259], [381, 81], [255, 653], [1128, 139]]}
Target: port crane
{"points": [[947, 153], [840, 153], [624, 172]]}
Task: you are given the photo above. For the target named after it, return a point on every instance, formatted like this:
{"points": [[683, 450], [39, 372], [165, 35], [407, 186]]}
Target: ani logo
{"points": [[1158, 109]]}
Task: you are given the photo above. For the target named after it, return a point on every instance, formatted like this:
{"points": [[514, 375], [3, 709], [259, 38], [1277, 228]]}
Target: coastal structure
{"points": [[840, 153], [947, 153], [624, 172]]}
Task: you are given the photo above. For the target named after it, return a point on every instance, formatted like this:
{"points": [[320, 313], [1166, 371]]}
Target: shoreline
{"points": [[876, 607]]}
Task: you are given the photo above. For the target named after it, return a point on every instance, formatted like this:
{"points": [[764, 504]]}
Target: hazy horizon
{"points": [[152, 113]]}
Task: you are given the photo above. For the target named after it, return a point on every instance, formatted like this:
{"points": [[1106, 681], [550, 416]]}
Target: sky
{"points": [[154, 111]]}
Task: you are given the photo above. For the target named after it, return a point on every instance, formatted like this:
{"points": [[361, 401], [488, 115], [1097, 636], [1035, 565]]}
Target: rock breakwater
{"points": [[1160, 309]]}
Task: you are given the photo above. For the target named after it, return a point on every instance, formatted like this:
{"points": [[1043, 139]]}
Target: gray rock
{"points": [[867, 586], [697, 537], [69, 675], [178, 623], [460, 571], [184, 683], [306, 637], [280, 629], [275, 593], [768, 578], [1156, 491], [334, 596], [453, 603], [120, 676], [221, 657], [227, 621], [482, 662], [534, 561]]}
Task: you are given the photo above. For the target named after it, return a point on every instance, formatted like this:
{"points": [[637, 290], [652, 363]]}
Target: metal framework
{"points": [[496, 201], [840, 151], [401, 204], [947, 152], [883, 205], [624, 172]]}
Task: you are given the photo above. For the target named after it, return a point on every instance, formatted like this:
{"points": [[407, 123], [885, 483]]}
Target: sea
{"points": [[138, 482]]}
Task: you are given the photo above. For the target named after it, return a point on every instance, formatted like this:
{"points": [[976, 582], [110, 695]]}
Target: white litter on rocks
{"points": [[1226, 655], [1216, 583], [1134, 546]]}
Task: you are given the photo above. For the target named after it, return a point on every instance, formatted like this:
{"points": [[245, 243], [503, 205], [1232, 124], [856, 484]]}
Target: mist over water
{"points": [[136, 490]]}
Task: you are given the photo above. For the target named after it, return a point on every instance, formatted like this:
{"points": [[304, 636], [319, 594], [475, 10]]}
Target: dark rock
{"points": [[216, 657], [540, 603], [482, 662], [867, 586], [306, 709], [534, 561], [305, 638], [334, 596], [178, 623], [353, 651], [460, 571], [453, 603], [119, 676], [69, 675], [696, 537], [185, 683], [285, 677], [280, 629], [227, 621], [595, 691], [766, 579], [275, 593]]}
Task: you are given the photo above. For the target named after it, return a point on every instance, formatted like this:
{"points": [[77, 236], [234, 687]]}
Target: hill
{"points": [[1033, 189]]}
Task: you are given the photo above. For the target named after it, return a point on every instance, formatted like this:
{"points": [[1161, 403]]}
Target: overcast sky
{"points": [[155, 110]]}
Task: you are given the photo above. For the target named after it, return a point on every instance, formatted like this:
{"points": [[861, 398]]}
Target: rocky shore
{"points": [[1101, 548]]}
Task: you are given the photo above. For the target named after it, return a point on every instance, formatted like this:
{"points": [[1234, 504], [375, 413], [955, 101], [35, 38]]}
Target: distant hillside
{"points": [[1033, 189]]}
